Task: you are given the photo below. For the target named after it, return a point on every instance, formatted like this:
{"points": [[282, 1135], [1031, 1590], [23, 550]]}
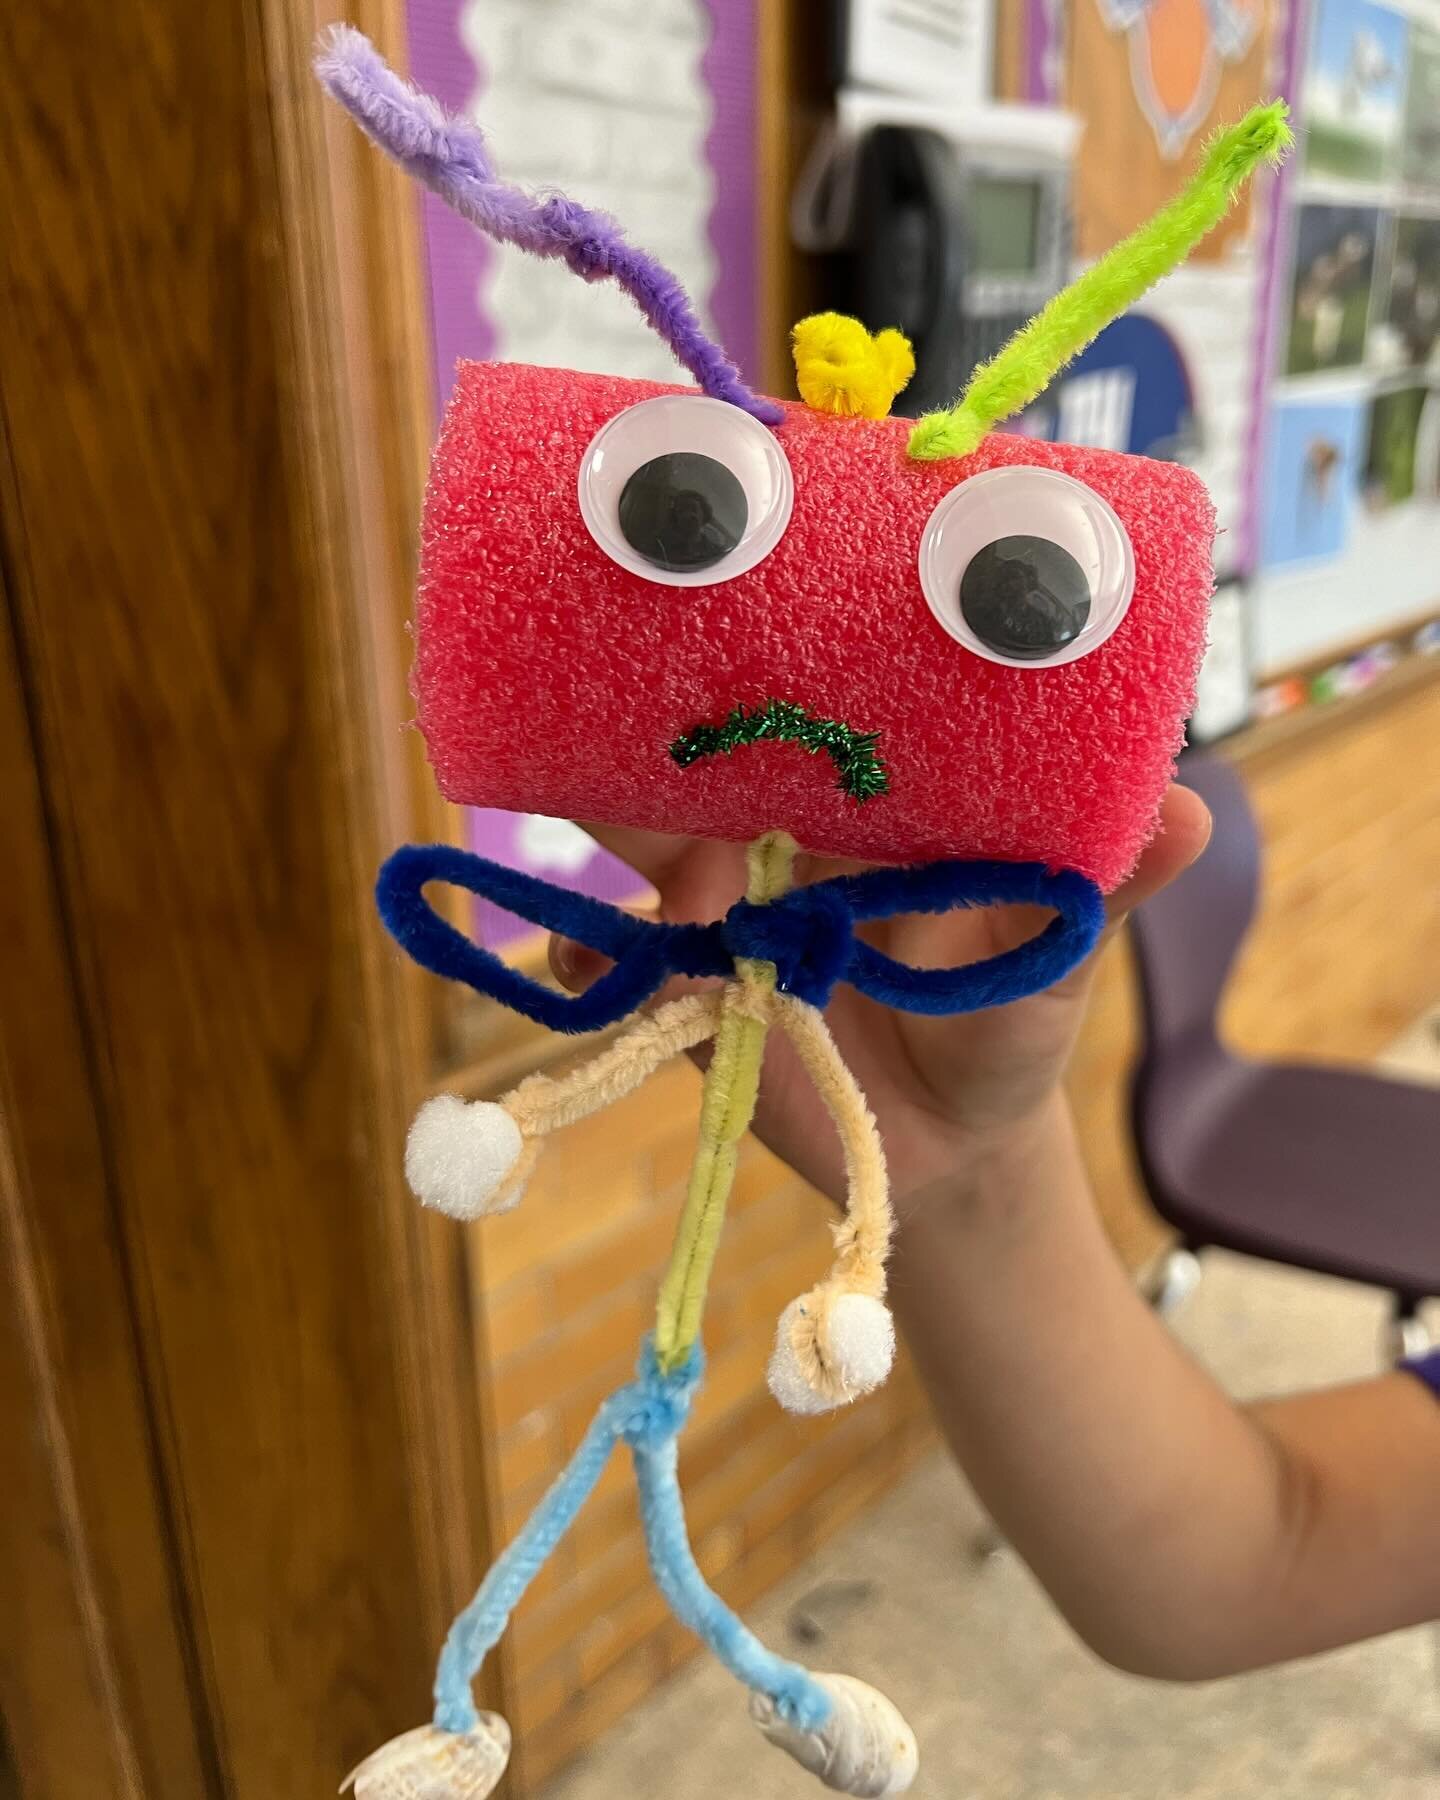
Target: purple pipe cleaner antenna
{"points": [[449, 156]]}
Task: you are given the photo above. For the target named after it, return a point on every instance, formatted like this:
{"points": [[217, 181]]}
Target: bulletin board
{"points": [[1152, 81], [1181, 375], [1349, 522], [1295, 360]]}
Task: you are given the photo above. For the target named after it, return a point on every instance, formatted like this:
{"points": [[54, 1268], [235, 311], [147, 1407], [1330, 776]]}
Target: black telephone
{"points": [[908, 263], [956, 248]]}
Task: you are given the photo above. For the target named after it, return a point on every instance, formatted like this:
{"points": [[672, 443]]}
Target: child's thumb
{"points": [[1183, 832]]}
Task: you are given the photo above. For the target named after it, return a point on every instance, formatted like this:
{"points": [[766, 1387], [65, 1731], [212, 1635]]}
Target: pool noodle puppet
{"points": [[962, 657]]}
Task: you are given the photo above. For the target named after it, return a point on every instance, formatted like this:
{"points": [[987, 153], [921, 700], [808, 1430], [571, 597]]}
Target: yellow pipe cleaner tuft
{"points": [[1076, 316], [840, 368]]}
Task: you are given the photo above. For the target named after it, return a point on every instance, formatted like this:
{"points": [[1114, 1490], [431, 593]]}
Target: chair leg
{"points": [[1406, 1333], [1435, 1662], [987, 1544], [1175, 1279]]}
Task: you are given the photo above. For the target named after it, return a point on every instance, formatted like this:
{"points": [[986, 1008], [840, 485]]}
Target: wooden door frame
{"points": [[252, 1490], [86, 1556]]}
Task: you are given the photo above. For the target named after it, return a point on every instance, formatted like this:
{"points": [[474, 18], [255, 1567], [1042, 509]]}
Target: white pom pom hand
{"points": [[831, 1346], [864, 1748], [464, 1157]]}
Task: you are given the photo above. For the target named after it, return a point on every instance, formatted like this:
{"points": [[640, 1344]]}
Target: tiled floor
{"points": [[1007, 1706]]}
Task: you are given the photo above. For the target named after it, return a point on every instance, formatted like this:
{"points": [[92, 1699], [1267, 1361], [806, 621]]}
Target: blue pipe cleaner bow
{"points": [[808, 933]]}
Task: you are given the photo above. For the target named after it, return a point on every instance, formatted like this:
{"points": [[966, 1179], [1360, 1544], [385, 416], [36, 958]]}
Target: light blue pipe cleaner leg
{"points": [[478, 1629], [798, 1697], [648, 1413]]}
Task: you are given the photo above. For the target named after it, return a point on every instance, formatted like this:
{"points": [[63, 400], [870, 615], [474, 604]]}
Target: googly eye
{"points": [[685, 490], [1027, 567]]}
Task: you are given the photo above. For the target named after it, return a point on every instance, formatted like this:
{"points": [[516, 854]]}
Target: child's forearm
{"points": [[1181, 1535]]}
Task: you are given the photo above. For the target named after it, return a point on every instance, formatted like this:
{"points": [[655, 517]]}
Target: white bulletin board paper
{"points": [[924, 49]]}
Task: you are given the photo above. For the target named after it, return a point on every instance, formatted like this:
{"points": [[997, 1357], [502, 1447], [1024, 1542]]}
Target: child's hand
{"points": [[1181, 1536], [942, 1089]]}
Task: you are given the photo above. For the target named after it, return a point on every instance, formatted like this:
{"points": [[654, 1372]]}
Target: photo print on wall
{"points": [[1330, 296], [1420, 138], [1402, 455], [1354, 90], [1412, 313], [1311, 479]]}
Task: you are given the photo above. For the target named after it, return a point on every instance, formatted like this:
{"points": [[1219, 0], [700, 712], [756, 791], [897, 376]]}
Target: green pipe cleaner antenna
{"points": [[1076, 316]]}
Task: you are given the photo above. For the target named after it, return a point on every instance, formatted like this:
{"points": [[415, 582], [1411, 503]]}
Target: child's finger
{"points": [[671, 863], [1183, 832], [575, 966]]}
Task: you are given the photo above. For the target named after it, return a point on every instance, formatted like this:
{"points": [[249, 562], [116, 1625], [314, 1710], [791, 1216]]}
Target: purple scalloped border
{"points": [[1273, 299], [1041, 53], [456, 256]]}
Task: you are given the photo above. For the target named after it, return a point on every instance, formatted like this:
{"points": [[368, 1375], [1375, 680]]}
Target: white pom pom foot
{"points": [[829, 1349], [460, 1157], [864, 1748], [431, 1764]]}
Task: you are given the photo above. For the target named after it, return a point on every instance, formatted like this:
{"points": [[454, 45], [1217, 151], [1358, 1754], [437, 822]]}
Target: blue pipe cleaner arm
{"points": [[939, 887], [645, 954], [808, 933]]}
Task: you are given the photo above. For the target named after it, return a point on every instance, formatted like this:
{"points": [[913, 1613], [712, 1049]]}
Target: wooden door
{"points": [[242, 1494]]}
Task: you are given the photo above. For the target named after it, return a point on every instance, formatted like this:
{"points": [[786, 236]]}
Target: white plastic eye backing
{"points": [[1027, 567], [686, 490]]}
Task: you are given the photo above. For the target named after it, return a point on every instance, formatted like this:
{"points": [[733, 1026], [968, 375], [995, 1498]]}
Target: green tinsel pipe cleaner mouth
{"points": [[862, 774]]}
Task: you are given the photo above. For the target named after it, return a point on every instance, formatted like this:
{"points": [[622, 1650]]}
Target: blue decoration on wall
{"points": [[1147, 406]]}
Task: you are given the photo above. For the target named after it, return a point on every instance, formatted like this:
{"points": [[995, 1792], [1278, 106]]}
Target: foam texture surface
{"points": [[550, 680]]}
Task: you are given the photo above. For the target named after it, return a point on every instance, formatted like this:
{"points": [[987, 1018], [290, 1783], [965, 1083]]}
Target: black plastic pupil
{"points": [[683, 511], [1025, 597]]}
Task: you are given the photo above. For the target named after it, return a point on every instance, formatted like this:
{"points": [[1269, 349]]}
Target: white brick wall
{"points": [[1210, 309], [604, 99]]}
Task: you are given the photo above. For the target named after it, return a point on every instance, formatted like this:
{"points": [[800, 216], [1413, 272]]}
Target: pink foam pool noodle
{"points": [[550, 679]]}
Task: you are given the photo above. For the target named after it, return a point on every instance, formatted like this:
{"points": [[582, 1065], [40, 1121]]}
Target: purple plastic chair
{"points": [[1330, 1169]]}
